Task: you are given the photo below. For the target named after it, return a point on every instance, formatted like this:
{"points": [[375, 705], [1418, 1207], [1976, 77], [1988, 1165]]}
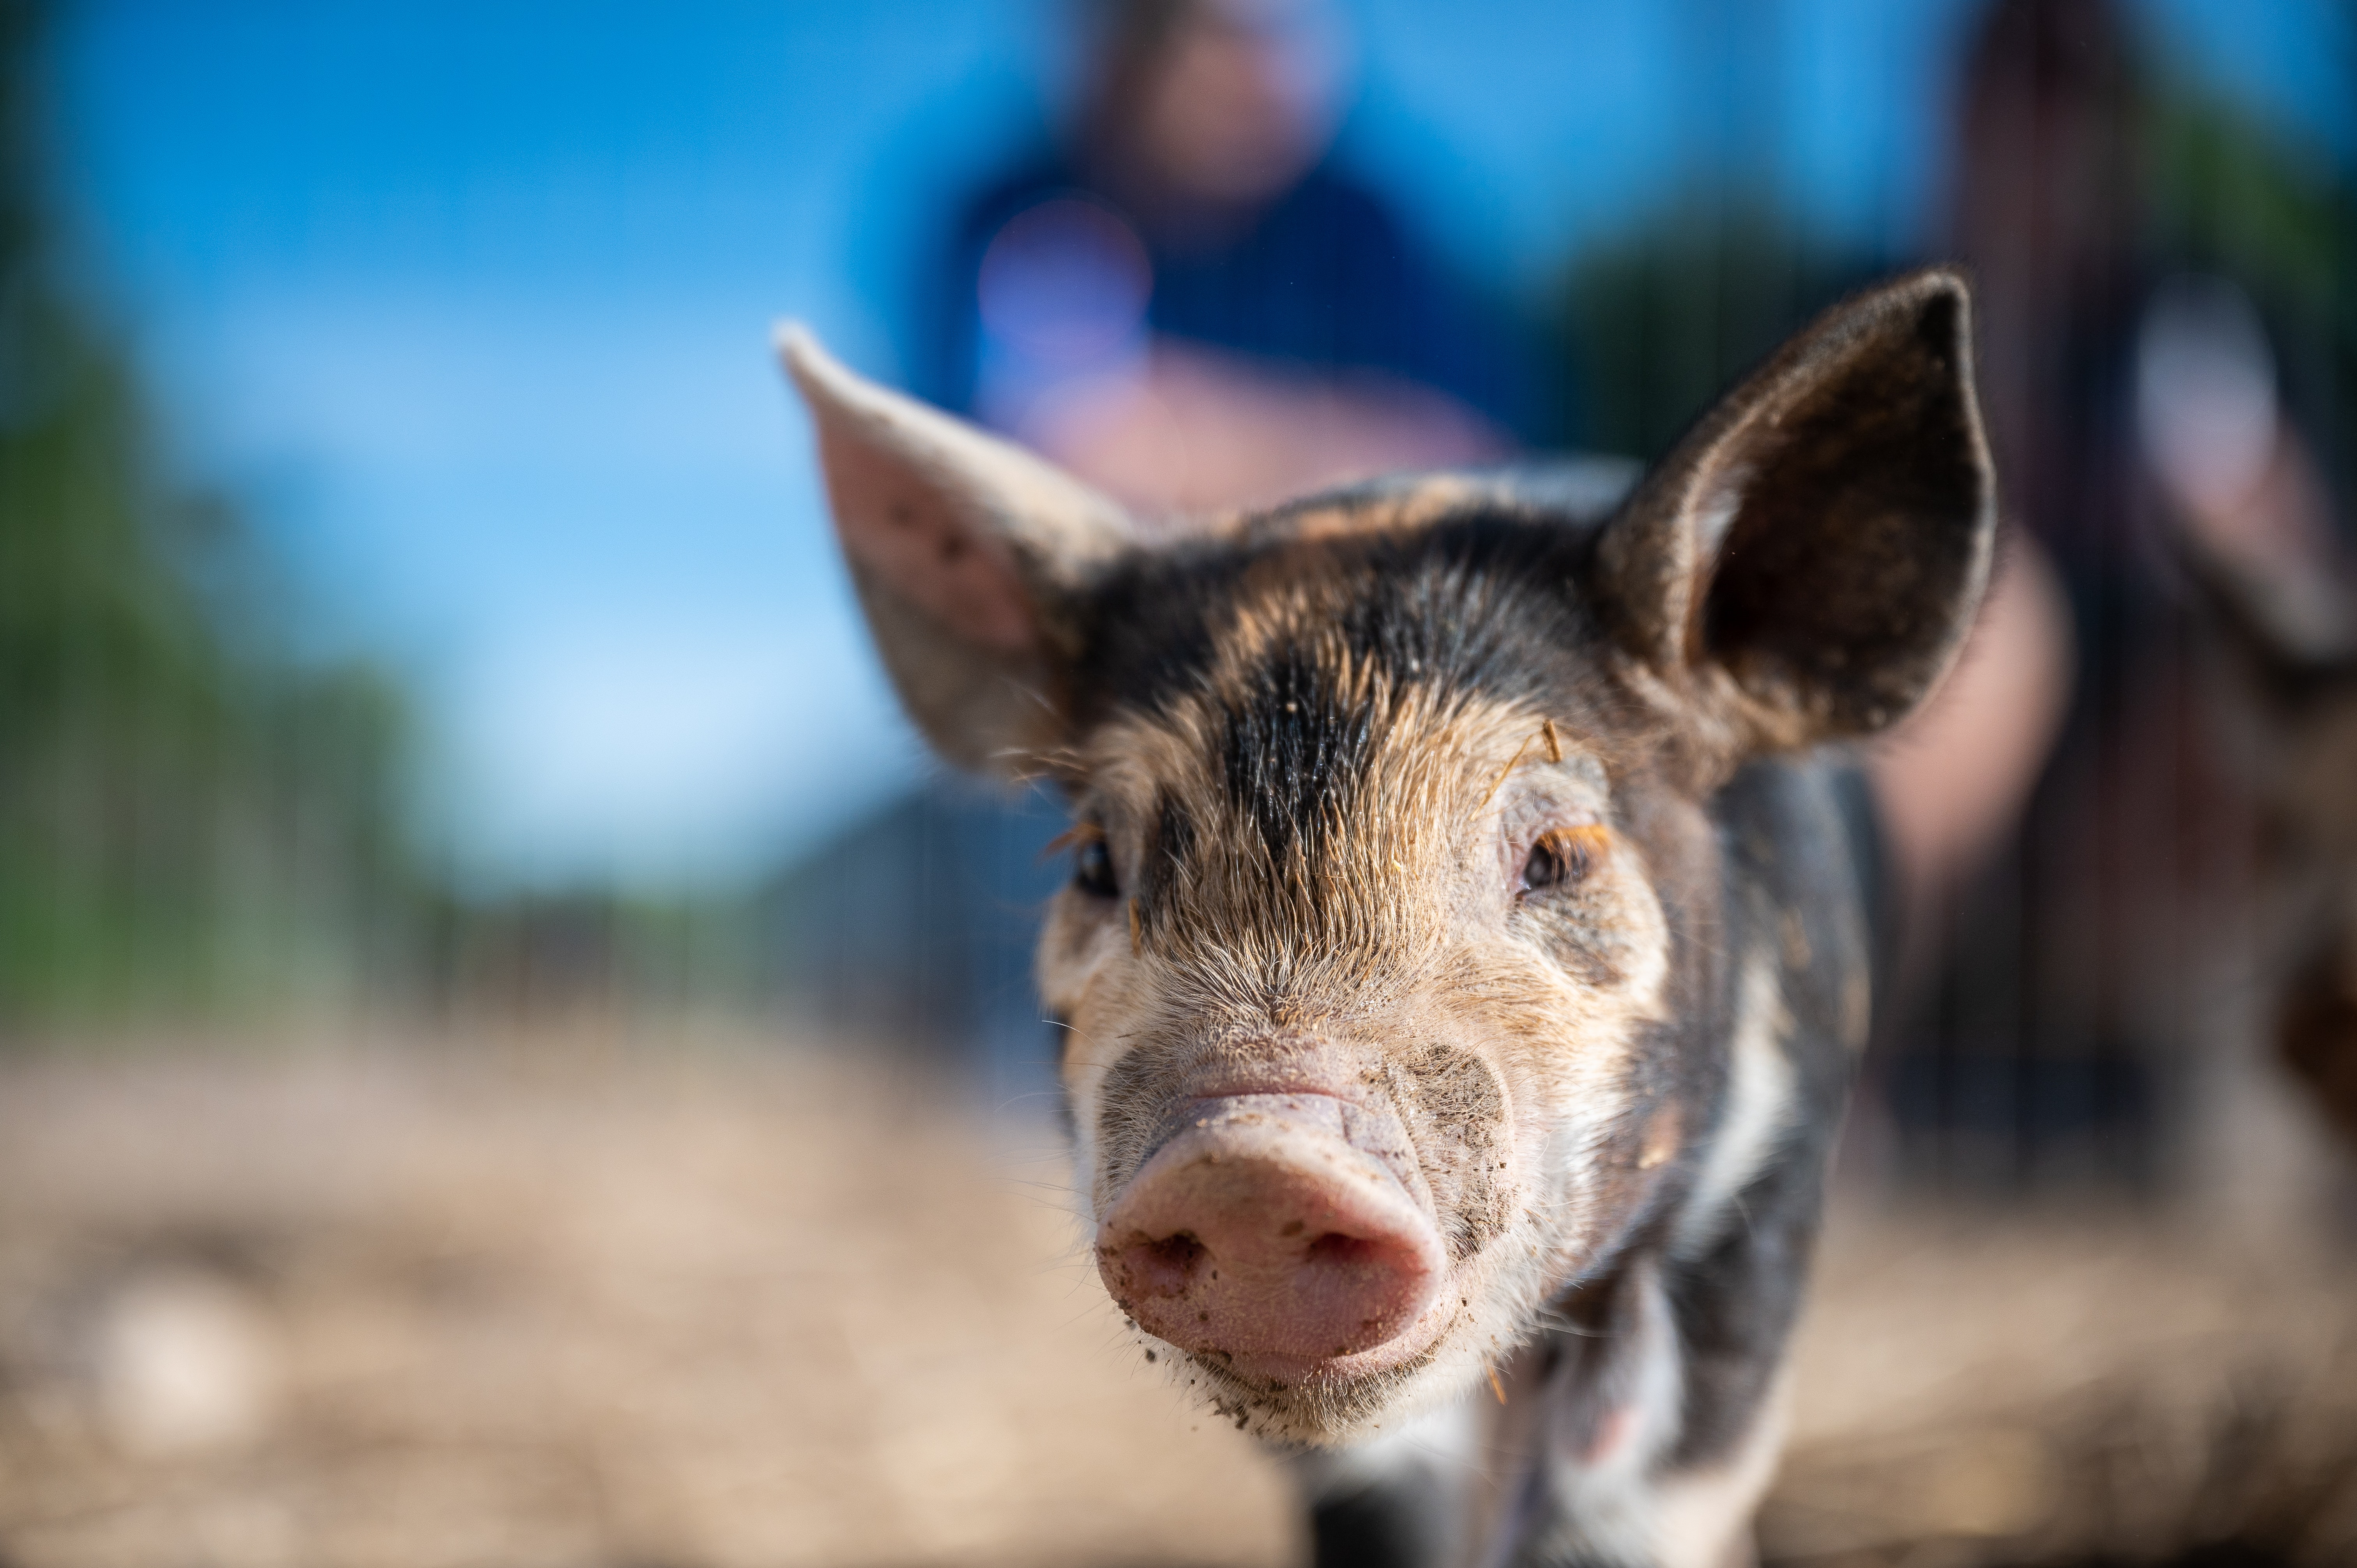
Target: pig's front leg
{"points": [[1397, 1501], [2316, 1025]]}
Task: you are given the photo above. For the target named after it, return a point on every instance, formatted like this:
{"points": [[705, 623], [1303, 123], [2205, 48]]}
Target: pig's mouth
{"points": [[1271, 1239]]}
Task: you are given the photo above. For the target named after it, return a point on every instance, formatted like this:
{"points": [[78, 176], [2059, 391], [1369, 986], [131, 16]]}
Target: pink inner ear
{"points": [[897, 523]]}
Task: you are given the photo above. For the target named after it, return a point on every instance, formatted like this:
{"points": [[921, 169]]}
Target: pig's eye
{"points": [[1093, 869], [1557, 860]]}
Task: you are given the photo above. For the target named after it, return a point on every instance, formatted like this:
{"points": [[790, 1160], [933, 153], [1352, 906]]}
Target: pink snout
{"points": [[1261, 1233]]}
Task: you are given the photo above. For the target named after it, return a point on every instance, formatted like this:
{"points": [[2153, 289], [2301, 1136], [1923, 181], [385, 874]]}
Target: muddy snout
{"points": [[1263, 1232]]}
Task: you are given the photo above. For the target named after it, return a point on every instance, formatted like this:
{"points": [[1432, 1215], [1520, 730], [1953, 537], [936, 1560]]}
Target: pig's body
{"points": [[1646, 1409], [1465, 956]]}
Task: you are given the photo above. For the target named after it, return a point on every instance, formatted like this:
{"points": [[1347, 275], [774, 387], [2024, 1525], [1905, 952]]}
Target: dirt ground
{"points": [[740, 1305]]}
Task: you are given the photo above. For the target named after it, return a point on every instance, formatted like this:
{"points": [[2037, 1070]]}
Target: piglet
{"points": [[1467, 940]]}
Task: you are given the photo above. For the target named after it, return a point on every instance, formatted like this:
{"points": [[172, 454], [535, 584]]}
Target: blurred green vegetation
{"points": [[198, 824], [2229, 196], [190, 818], [1658, 319]]}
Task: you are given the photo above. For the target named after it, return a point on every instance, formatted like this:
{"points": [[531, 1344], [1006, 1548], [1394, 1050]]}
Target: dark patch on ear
{"points": [[1850, 539]]}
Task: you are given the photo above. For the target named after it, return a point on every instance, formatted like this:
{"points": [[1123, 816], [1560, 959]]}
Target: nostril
{"points": [[1335, 1249], [1166, 1267], [1178, 1253]]}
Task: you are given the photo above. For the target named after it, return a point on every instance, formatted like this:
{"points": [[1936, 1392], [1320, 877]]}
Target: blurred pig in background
{"points": [[2275, 593], [2286, 643], [2074, 975]]}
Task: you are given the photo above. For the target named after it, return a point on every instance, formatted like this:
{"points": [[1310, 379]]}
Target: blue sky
{"points": [[470, 301]]}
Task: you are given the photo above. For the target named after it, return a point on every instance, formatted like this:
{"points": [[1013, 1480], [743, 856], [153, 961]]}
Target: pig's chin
{"points": [[1362, 1372], [1320, 1401]]}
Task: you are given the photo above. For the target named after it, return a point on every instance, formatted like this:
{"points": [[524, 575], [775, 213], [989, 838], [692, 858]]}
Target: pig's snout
{"points": [[1261, 1233]]}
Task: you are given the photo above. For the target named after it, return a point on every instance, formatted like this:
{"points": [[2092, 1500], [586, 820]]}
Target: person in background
{"points": [[1187, 303]]}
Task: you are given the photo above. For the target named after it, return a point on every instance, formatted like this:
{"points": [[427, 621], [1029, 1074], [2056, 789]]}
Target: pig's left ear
{"points": [[970, 555], [1806, 563]]}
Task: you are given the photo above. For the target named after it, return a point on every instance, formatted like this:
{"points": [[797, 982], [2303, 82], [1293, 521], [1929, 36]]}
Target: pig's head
{"points": [[1389, 966], [2286, 637]]}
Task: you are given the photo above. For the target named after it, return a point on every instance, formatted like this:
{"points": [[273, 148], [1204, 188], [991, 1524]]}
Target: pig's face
{"points": [[1389, 968], [1365, 949]]}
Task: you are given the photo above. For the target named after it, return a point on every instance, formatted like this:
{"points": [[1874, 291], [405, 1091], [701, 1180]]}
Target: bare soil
{"points": [[738, 1305]]}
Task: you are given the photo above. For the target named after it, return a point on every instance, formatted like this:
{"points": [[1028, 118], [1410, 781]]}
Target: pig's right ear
{"points": [[970, 556], [1805, 564]]}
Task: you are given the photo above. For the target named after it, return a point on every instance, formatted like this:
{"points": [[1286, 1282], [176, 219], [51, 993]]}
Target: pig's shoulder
{"points": [[1804, 902]]}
